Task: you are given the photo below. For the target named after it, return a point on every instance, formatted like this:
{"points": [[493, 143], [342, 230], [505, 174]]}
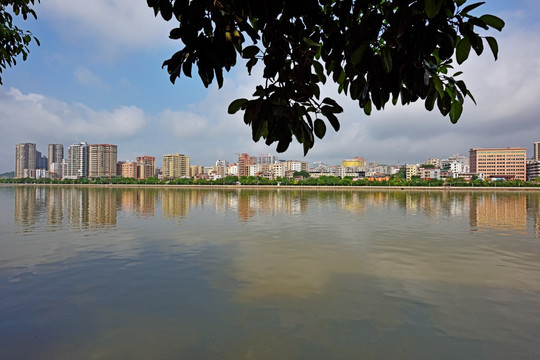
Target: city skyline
{"points": [[238, 157], [101, 81]]}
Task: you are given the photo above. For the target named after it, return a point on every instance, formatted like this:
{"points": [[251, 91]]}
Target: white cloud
{"points": [[114, 26], [184, 125], [86, 77], [46, 120]]}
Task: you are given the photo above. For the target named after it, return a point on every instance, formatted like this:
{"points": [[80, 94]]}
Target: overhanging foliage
{"points": [[376, 51]]}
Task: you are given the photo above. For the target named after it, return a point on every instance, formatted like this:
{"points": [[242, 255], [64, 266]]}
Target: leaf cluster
{"points": [[376, 51], [13, 40]]}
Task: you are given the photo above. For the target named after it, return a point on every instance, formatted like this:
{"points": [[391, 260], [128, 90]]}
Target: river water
{"points": [[161, 273]]}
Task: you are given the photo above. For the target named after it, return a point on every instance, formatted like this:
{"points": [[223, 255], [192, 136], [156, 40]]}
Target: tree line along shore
{"points": [[323, 181]]}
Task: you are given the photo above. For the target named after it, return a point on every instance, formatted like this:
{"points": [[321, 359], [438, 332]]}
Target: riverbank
{"points": [[295, 187]]}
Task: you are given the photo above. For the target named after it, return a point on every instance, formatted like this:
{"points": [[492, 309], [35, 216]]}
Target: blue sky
{"points": [[97, 78]]}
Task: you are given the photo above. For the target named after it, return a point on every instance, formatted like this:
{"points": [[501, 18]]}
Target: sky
{"points": [[97, 77]]}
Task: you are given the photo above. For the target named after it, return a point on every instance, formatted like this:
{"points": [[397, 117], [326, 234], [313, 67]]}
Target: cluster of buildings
{"points": [[100, 160], [487, 164], [82, 161]]}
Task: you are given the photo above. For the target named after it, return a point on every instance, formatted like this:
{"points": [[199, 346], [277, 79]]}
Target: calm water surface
{"points": [[109, 273]]}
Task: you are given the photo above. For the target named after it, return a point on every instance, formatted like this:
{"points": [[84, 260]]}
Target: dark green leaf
{"points": [[319, 70], [310, 42], [455, 112], [307, 146], [187, 68], [438, 84], [315, 90], [166, 10], [333, 120], [320, 128], [432, 7], [219, 76], [176, 33], [386, 59], [493, 21], [463, 49], [444, 104], [236, 105], [367, 107], [476, 43], [430, 100], [283, 145], [461, 85], [250, 51], [471, 96], [471, 7], [358, 54], [493, 46]]}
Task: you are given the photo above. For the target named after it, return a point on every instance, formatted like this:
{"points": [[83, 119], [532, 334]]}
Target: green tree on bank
{"points": [[259, 181]]}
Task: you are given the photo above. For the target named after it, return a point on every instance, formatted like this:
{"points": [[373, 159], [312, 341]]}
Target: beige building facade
{"points": [[146, 166], [102, 160], [509, 163], [25, 160], [127, 169], [175, 166]]}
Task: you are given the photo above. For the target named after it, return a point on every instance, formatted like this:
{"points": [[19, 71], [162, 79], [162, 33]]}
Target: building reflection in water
{"points": [[88, 207], [175, 203], [140, 201], [498, 211], [29, 204]]}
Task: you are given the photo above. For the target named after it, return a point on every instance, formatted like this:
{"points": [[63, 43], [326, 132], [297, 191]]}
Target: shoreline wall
{"points": [[294, 187]]}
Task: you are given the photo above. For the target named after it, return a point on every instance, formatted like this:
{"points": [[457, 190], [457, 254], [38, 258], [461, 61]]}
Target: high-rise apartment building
{"points": [[77, 161], [102, 160], [244, 160], [509, 163], [25, 160], [536, 151], [265, 159], [175, 166], [56, 154], [146, 166], [42, 163]]}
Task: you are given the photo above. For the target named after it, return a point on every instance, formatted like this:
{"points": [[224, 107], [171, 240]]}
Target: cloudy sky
{"points": [[97, 78]]}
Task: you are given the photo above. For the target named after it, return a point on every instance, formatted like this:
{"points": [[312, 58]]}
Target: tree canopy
{"points": [[13, 40], [376, 51]]}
